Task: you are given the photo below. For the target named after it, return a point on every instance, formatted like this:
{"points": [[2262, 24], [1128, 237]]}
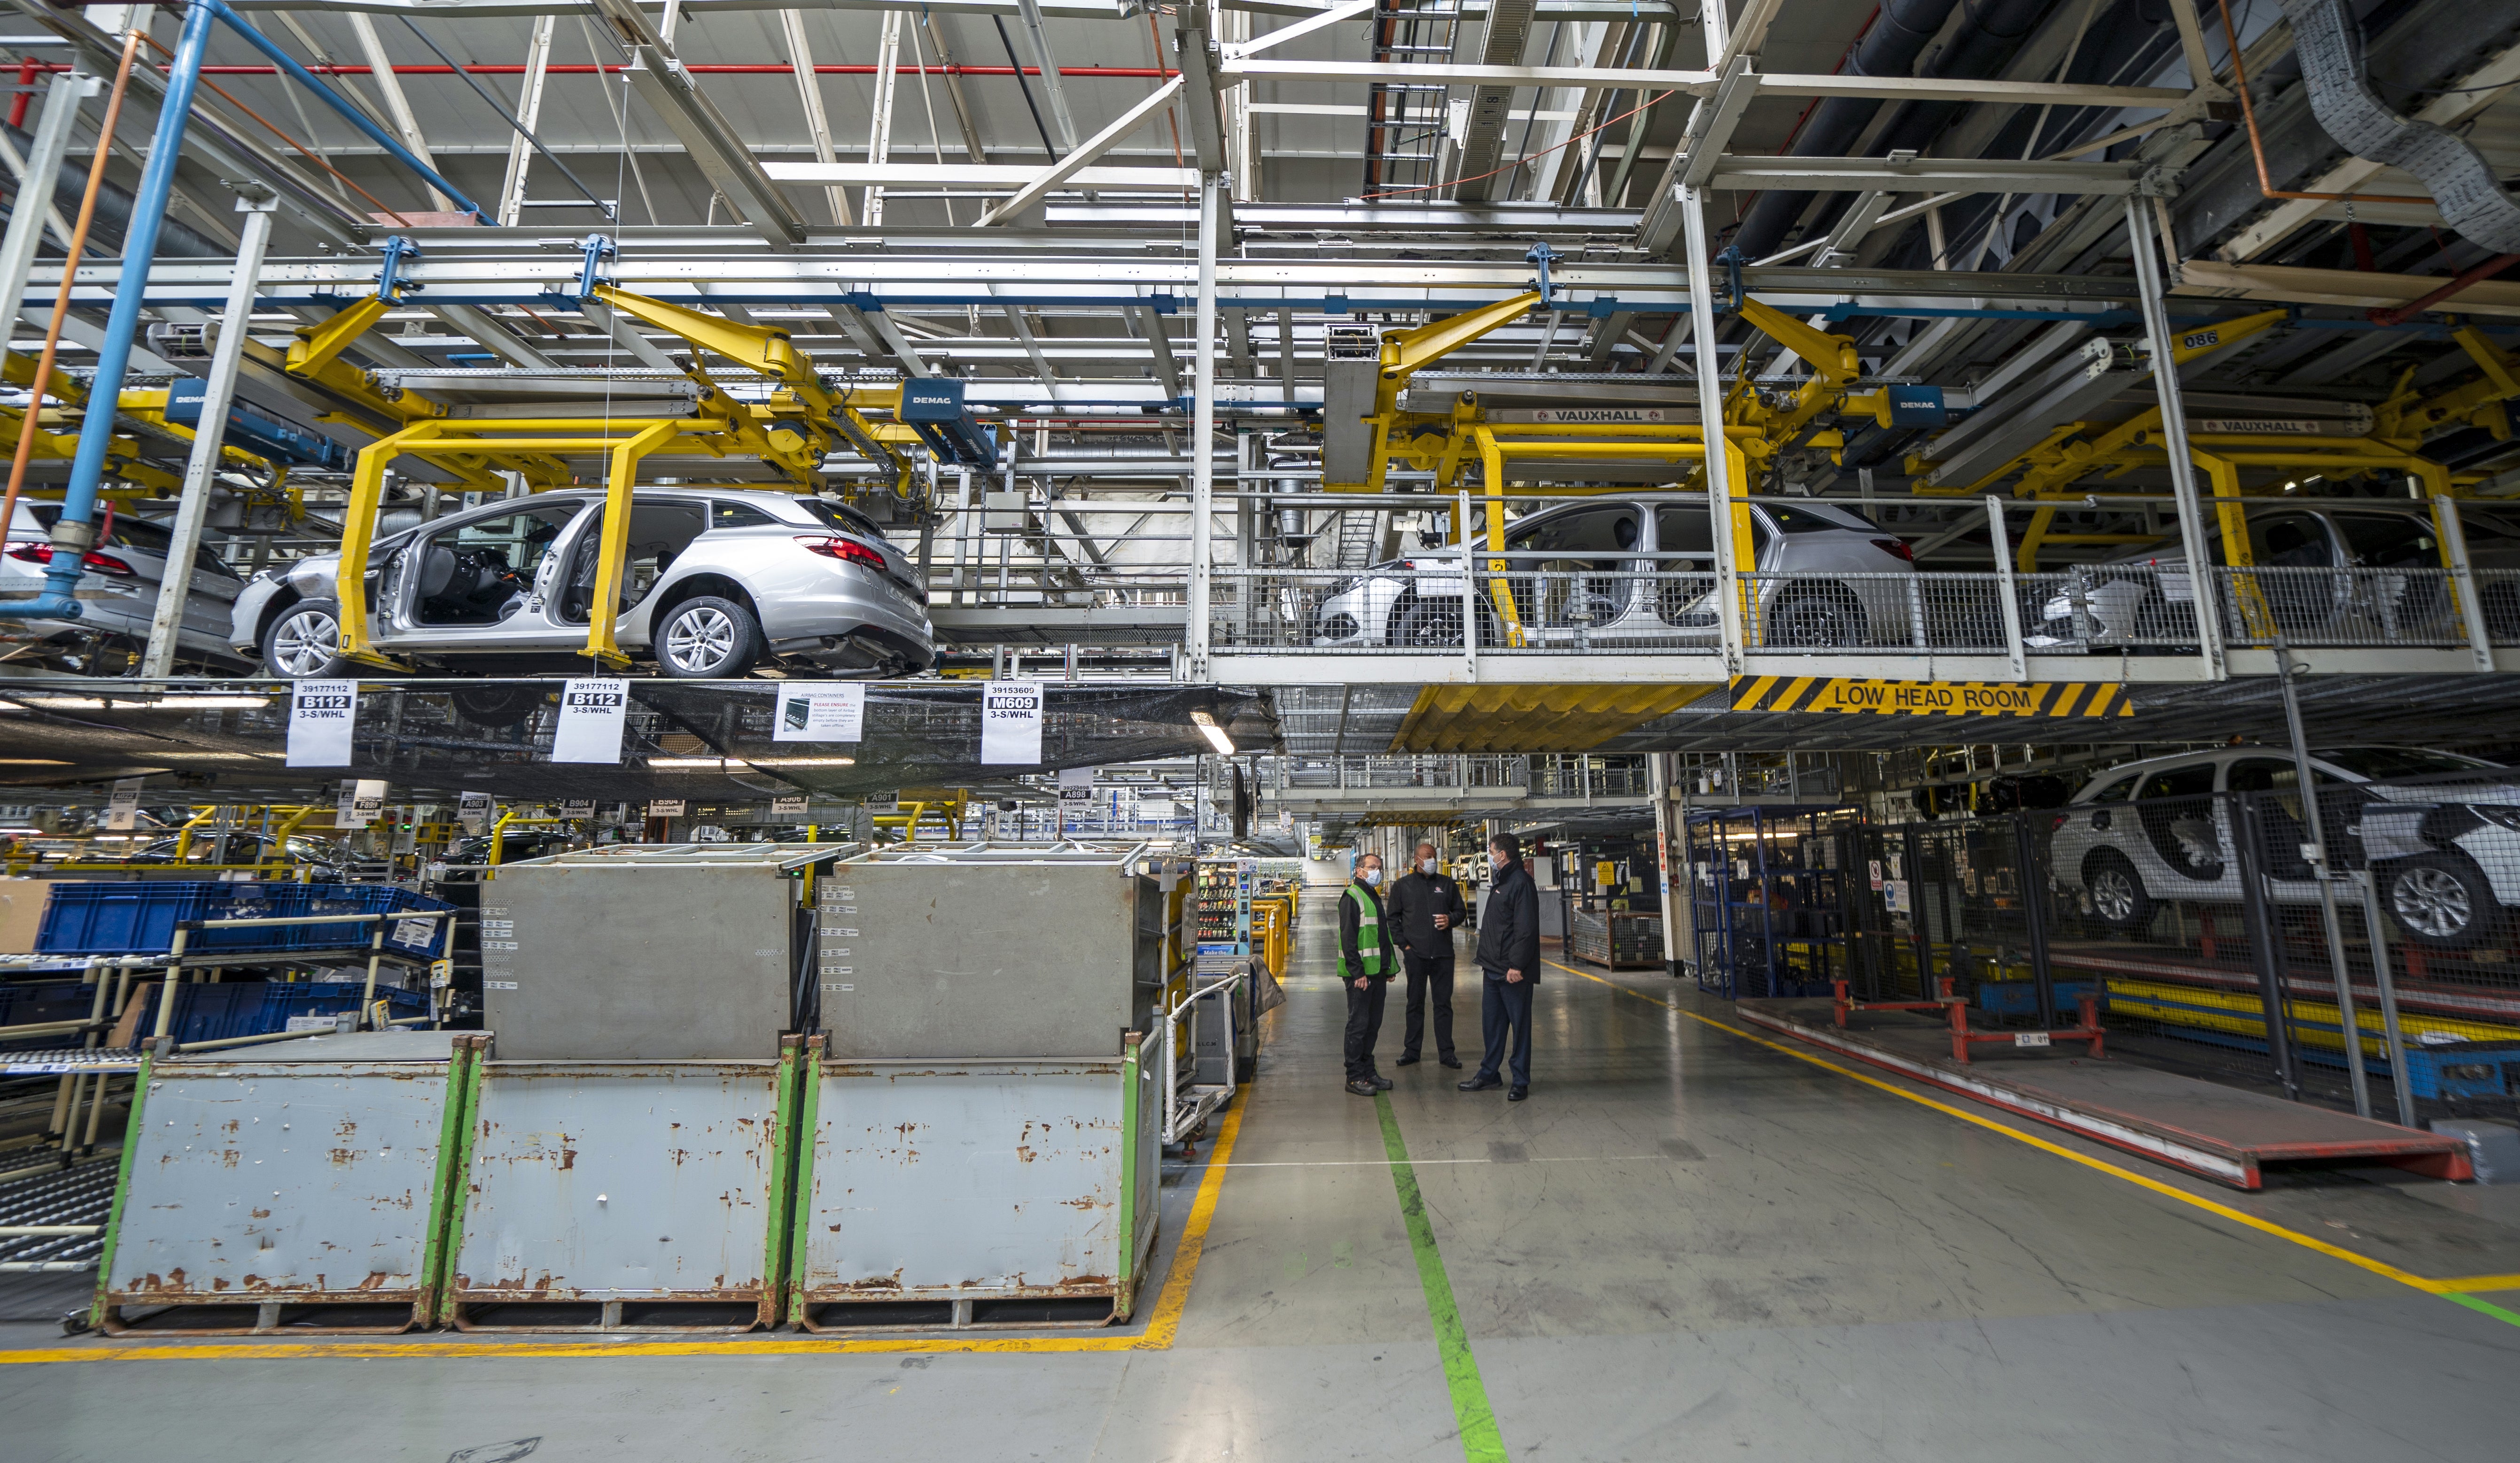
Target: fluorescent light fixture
{"points": [[37, 761], [162, 703], [802, 761], [707, 763], [1214, 733]]}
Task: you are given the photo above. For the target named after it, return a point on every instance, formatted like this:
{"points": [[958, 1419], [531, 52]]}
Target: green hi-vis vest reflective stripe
{"points": [[1368, 936]]}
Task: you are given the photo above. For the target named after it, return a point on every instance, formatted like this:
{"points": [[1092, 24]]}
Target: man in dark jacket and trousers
{"points": [[1425, 909], [1510, 958], [1366, 960]]}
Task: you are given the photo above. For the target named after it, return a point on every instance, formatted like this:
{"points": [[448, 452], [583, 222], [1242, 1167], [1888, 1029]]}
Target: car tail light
{"points": [[91, 561], [847, 550], [2061, 819], [1896, 548]]}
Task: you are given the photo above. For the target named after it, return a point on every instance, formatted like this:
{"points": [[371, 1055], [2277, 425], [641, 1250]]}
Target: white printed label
{"points": [[594, 714], [414, 933], [2031, 1038], [820, 712], [321, 715], [667, 807], [786, 808], [498, 985], [475, 812], [1011, 723], [362, 800], [122, 812]]}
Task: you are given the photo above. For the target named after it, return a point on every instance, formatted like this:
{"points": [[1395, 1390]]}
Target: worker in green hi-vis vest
{"points": [[1367, 961]]}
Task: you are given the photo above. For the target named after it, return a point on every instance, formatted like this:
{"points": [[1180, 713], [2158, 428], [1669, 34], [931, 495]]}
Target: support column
{"points": [[1668, 845], [887, 66], [1710, 416], [43, 164], [2173, 439], [1203, 416], [201, 468]]}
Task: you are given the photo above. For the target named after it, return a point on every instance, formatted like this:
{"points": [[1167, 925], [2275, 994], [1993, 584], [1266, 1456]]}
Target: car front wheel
{"points": [[304, 642], [707, 638], [2117, 892], [2440, 899]]}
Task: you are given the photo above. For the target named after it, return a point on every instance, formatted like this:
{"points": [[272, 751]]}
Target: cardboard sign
{"points": [[1011, 720], [321, 716], [122, 810], [363, 799], [820, 712], [594, 712]]}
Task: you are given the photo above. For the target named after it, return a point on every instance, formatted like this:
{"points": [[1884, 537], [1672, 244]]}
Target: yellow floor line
{"points": [[2220, 1210], [1161, 1327]]}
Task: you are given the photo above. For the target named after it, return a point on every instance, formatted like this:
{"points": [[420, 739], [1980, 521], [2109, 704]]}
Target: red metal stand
{"points": [[1847, 1003], [2086, 1029]]}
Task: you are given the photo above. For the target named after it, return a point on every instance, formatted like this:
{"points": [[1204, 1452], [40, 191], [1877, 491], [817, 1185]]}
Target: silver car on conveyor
{"points": [[1828, 576], [718, 582], [117, 594]]}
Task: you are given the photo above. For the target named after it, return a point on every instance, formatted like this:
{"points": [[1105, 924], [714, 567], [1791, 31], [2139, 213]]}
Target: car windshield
{"points": [[2383, 762]]}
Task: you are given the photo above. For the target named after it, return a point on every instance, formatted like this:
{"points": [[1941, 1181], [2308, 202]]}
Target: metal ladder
{"points": [[1404, 126]]}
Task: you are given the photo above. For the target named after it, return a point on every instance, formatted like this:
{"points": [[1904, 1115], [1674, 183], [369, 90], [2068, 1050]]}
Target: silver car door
{"points": [[480, 582]]}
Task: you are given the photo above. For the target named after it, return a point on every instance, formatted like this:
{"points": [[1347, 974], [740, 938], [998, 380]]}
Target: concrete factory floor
{"points": [[1686, 1242]]}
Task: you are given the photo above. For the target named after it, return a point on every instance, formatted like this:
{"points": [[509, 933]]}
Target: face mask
{"points": [[1425, 866], [1370, 876], [1497, 859]]}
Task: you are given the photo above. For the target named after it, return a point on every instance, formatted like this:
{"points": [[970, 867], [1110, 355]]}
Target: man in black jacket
{"points": [[1510, 958], [1425, 908], [1366, 962]]}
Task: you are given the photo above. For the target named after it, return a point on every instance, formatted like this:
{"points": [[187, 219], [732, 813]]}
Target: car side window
{"points": [[726, 515], [1680, 529], [2180, 782], [2119, 791], [2261, 774]]}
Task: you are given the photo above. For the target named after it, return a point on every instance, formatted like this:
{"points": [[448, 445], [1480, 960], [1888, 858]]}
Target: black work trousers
{"points": [[1428, 974], [1504, 1010], [1363, 1026]]}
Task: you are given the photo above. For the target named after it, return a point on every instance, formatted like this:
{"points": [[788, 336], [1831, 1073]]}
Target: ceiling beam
{"points": [[1508, 30], [1066, 168]]}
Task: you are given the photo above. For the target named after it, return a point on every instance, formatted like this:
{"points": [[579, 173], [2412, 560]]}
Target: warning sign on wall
{"points": [[1846, 695]]}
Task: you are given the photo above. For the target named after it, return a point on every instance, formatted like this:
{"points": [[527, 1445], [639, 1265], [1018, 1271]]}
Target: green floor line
{"points": [[2487, 1308], [1481, 1443]]}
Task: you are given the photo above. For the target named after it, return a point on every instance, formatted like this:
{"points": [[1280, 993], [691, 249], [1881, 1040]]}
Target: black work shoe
{"points": [[1479, 1085], [1411, 1060], [1383, 1083], [1517, 1094], [1454, 1062], [1363, 1089]]}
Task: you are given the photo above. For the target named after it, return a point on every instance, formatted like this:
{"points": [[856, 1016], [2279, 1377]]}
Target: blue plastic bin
{"points": [[217, 1010], [131, 917]]}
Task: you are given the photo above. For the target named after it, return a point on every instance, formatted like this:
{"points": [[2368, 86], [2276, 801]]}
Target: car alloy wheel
{"points": [[2113, 895], [701, 640], [306, 643], [2432, 902]]}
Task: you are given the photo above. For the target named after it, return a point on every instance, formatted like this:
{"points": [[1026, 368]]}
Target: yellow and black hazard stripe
{"points": [[1850, 694]]}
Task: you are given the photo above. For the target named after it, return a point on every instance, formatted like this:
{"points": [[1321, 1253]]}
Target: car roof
{"points": [[2104, 776]]}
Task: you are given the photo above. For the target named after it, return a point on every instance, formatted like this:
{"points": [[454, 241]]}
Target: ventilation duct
{"points": [[2470, 198]]}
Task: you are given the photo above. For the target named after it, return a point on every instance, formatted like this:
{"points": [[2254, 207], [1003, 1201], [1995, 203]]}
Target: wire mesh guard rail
{"points": [[2194, 917], [1642, 607]]}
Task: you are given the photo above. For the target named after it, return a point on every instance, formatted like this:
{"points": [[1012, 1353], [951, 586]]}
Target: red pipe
{"points": [[27, 69], [2477, 275]]}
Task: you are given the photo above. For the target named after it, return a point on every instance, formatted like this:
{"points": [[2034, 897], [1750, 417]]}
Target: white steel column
{"points": [[1052, 83], [1710, 415], [175, 586], [2173, 437], [1202, 430], [887, 66], [529, 111], [818, 122], [398, 105], [43, 164]]}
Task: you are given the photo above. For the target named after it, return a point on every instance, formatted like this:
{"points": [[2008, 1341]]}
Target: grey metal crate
{"points": [[965, 1192], [672, 952], [973, 950], [636, 1194], [283, 1189]]}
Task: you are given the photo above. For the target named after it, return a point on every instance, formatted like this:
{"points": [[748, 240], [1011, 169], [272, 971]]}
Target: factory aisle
{"points": [[1685, 1242]]}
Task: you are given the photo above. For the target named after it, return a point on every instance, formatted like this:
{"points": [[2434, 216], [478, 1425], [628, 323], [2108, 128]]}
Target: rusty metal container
{"points": [[649, 953], [974, 1193], [301, 1186], [990, 951], [622, 1194]]}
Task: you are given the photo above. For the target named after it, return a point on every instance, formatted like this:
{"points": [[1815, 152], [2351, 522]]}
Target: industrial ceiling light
{"points": [[1214, 733], [169, 703], [802, 761], [709, 763]]}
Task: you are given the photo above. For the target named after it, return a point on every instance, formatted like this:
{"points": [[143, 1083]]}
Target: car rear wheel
{"points": [[304, 642], [1813, 618], [2117, 892], [2440, 899], [707, 638]]}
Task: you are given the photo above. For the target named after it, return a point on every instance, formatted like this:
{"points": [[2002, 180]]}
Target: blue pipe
{"points": [[73, 534], [288, 66]]}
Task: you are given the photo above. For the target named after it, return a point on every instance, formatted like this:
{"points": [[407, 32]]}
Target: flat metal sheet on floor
{"points": [[2204, 1127]]}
